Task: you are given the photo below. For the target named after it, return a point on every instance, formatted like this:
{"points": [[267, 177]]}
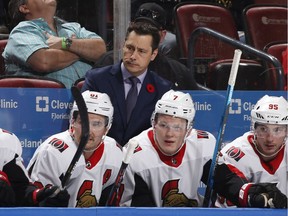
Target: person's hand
{"points": [[7, 195], [52, 196], [53, 41], [266, 195]]}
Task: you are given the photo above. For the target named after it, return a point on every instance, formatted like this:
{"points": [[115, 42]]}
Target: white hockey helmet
{"points": [[97, 103], [177, 104], [270, 110]]}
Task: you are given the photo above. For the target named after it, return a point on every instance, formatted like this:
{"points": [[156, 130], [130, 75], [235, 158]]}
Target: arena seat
{"points": [[274, 2], [79, 83], [250, 76], [188, 16], [277, 50], [264, 24], [29, 82]]}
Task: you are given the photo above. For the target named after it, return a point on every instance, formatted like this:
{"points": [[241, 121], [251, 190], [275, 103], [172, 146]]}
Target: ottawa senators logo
{"points": [[202, 134], [235, 153], [58, 144], [85, 197], [172, 198]]}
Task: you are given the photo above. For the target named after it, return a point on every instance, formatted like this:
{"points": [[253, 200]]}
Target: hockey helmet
{"points": [[270, 110], [97, 103], [177, 104]]}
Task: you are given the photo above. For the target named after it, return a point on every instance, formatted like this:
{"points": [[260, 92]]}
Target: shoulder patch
{"points": [[58, 144], [235, 153], [138, 149], [202, 134]]}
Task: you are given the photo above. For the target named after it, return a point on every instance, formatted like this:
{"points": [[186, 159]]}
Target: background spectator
{"points": [[164, 66], [156, 15], [44, 45]]}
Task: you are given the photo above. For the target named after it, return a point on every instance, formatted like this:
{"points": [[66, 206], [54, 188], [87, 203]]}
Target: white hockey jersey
{"points": [[243, 160], [89, 178], [11, 164], [169, 180]]}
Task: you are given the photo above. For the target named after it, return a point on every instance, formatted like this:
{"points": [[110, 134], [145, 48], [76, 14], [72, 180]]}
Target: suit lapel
{"points": [[117, 85]]}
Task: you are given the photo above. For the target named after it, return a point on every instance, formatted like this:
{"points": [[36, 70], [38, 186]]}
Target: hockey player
{"points": [[252, 169], [95, 172], [172, 158], [16, 189]]}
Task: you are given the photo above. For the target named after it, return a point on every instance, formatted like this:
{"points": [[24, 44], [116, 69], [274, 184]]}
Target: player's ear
{"points": [[24, 9]]}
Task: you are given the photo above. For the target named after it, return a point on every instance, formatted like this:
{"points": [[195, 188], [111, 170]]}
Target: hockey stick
{"points": [[132, 144], [230, 88], [84, 134]]}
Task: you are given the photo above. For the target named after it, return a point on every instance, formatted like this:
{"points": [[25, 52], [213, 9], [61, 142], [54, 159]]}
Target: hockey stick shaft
{"points": [[132, 144], [84, 133], [229, 93]]}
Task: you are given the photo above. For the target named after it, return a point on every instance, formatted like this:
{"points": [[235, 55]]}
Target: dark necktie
{"points": [[131, 96]]}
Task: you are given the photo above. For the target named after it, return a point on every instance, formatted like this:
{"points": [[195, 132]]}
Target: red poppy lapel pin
{"points": [[150, 88]]}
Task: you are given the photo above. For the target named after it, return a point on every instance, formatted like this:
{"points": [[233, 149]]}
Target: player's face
{"points": [[169, 133], [137, 53], [97, 130], [270, 137]]}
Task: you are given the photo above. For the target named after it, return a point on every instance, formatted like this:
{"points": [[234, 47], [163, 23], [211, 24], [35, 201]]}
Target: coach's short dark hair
{"points": [[144, 28]]}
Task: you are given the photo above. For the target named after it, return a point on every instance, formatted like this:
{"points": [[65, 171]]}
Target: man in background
{"points": [[163, 65], [41, 44], [131, 73]]}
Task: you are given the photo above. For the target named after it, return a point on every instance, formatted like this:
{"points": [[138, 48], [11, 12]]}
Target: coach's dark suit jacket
{"points": [[109, 80]]}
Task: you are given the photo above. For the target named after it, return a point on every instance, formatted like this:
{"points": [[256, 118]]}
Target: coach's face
{"points": [[137, 53]]}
